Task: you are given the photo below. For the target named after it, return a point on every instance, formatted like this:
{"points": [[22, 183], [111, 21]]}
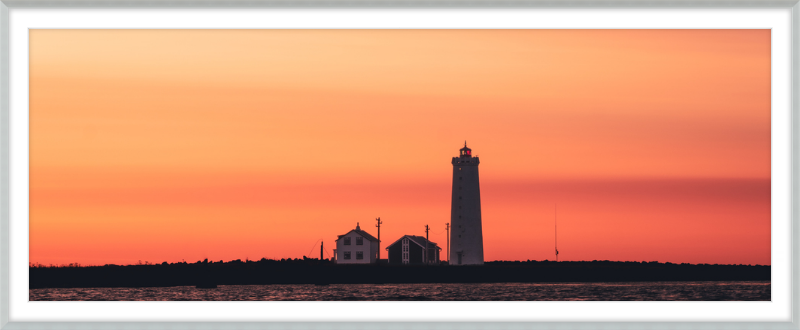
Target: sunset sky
{"points": [[170, 145]]}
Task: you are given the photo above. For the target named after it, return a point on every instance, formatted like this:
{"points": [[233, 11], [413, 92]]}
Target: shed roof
{"points": [[419, 240]]}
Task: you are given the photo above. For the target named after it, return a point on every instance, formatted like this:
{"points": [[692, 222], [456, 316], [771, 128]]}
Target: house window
{"points": [[347, 241], [359, 241], [347, 255], [359, 255]]}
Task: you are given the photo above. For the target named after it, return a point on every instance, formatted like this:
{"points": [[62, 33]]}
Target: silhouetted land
{"points": [[315, 271]]}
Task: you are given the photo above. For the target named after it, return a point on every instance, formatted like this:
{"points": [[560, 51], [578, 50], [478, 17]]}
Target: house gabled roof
{"points": [[419, 240], [362, 233]]}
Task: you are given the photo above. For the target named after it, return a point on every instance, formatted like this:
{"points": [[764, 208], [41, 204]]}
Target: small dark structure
{"points": [[410, 249]]}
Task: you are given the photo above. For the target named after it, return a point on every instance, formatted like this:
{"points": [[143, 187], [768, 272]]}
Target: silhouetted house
{"points": [[410, 249], [356, 247]]}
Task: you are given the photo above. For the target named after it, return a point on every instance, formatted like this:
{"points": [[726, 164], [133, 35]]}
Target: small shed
{"points": [[410, 249]]}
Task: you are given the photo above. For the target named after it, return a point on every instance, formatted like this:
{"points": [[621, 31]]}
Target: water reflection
{"points": [[636, 291]]}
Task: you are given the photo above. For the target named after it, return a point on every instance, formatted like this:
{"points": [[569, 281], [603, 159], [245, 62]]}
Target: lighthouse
{"points": [[466, 234]]}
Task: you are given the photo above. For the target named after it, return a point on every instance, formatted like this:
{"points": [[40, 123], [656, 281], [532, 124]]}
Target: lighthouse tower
{"points": [[466, 235]]}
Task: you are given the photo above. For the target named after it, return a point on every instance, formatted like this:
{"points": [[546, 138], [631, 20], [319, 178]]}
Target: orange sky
{"points": [[165, 145]]}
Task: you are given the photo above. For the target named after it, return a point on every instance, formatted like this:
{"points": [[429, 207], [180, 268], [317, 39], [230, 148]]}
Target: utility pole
{"points": [[427, 257], [379, 237], [447, 228], [321, 244]]}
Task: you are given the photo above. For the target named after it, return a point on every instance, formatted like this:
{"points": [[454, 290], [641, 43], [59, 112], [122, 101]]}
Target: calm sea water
{"points": [[754, 290]]}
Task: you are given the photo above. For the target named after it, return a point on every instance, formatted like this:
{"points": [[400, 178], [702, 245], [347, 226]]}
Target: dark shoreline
{"points": [[314, 271]]}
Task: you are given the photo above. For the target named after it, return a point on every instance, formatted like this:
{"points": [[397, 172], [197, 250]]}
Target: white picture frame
{"points": [[387, 14]]}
